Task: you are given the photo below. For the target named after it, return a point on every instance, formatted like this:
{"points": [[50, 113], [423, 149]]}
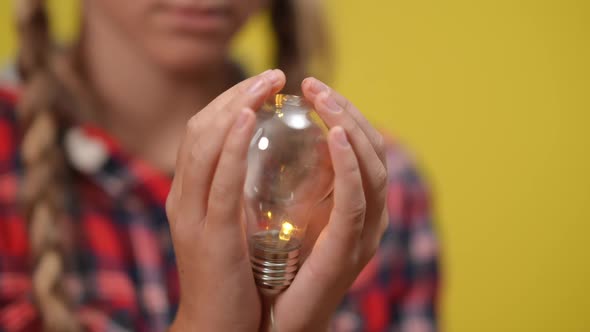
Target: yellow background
{"points": [[494, 97]]}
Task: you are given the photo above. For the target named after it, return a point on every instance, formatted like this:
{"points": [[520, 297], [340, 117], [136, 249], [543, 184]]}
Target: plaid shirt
{"points": [[125, 276]]}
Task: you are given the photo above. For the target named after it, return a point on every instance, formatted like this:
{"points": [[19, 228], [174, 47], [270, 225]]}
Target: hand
{"points": [[357, 220], [204, 209]]}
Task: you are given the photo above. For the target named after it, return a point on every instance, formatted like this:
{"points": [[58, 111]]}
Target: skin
{"points": [[132, 47]]}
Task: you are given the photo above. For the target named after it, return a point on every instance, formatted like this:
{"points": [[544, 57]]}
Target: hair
{"points": [[49, 91], [302, 43], [43, 187]]}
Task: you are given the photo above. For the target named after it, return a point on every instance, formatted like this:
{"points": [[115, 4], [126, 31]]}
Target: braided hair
{"points": [[43, 187]]}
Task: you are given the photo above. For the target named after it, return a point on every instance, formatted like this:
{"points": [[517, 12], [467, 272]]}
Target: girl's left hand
{"points": [[357, 220]]}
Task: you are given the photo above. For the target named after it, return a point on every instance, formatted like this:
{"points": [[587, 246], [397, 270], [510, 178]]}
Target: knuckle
{"points": [[383, 225], [370, 252], [371, 248], [356, 209], [381, 179], [379, 143], [171, 210], [193, 125], [242, 87], [382, 228], [353, 210], [350, 126], [351, 167], [346, 104], [220, 190], [355, 256]]}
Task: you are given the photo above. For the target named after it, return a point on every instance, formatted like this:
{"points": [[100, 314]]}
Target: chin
{"points": [[190, 58]]}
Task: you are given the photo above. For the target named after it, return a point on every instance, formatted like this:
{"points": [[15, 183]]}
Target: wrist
{"points": [[270, 323], [197, 322]]}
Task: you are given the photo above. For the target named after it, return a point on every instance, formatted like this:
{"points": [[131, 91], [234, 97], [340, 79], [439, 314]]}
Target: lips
{"points": [[197, 19]]}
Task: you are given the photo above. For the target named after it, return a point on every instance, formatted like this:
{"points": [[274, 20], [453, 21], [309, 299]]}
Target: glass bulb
{"points": [[289, 173]]}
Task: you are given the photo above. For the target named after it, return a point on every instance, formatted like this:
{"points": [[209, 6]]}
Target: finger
{"points": [[224, 204], [348, 214], [212, 128], [332, 108], [251, 93], [330, 268], [273, 78], [220, 119], [373, 170], [258, 87], [205, 135], [312, 87]]}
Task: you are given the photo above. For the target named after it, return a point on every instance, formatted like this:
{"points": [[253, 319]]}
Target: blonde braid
{"points": [[43, 190]]}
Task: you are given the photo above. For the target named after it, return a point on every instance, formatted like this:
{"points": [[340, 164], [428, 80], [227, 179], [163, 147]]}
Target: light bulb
{"points": [[289, 173]]}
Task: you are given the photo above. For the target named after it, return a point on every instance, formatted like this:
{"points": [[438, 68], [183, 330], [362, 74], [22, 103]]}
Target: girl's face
{"points": [[181, 35]]}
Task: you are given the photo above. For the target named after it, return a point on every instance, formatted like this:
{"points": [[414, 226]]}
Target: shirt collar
{"points": [[94, 153]]}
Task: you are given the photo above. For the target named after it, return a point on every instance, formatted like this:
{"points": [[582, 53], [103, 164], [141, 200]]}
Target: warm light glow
{"points": [[269, 214], [286, 230]]}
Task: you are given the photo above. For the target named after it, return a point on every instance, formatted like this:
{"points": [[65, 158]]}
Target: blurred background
{"points": [[493, 97]]}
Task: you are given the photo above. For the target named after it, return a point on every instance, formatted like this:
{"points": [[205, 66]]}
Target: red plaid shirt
{"points": [[125, 276]]}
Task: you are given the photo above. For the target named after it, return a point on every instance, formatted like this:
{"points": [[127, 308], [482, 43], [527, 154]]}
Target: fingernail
{"points": [[242, 119], [273, 76], [341, 137], [256, 85], [331, 104], [316, 86]]}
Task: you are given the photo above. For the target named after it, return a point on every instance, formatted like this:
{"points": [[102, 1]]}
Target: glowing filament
{"points": [[269, 214], [286, 230]]}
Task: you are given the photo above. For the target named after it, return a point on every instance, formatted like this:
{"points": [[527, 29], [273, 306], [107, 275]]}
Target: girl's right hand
{"points": [[217, 290]]}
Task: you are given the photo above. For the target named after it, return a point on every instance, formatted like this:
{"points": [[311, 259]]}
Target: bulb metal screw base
{"points": [[274, 264]]}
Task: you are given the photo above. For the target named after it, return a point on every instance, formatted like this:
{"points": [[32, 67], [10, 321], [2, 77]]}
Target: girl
{"points": [[122, 174]]}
